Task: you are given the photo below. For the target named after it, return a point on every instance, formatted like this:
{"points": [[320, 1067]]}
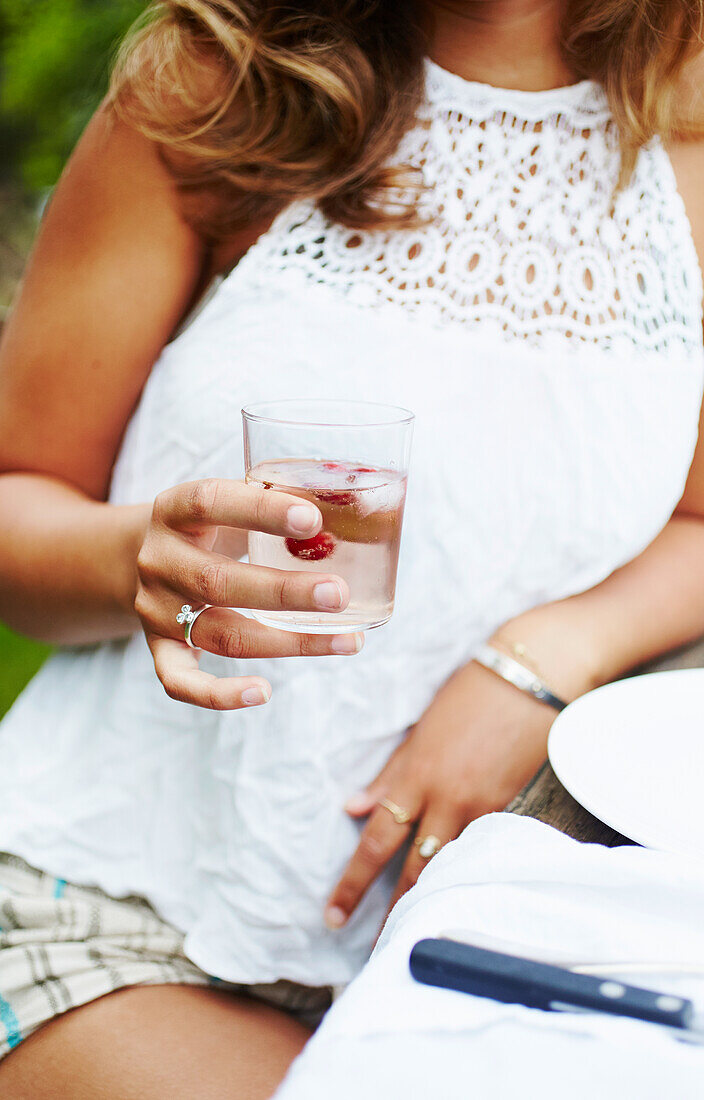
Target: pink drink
{"points": [[362, 510]]}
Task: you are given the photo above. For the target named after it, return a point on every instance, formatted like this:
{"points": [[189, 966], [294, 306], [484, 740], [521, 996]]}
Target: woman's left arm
{"points": [[481, 739]]}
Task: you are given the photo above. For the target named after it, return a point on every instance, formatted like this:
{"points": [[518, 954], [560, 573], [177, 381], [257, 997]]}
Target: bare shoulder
{"points": [[114, 182], [114, 267], [687, 153], [687, 156]]}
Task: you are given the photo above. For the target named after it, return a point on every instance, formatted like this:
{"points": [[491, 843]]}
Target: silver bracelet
{"points": [[517, 674]]}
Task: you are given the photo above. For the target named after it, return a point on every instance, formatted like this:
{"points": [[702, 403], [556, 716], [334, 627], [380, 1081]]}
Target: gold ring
{"points": [[428, 846], [400, 816]]}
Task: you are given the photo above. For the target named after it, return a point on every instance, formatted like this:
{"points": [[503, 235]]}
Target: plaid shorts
{"points": [[62, 946]]}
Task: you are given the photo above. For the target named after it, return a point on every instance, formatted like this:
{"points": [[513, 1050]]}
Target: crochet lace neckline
{"points": [[524, 229], [586, 96]]}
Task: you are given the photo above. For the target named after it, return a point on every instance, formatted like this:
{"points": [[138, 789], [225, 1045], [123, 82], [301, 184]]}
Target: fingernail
{"points": [[302, 519], [347, 643], [255, 696], [357, 803], [334, 917], [328, 595]]}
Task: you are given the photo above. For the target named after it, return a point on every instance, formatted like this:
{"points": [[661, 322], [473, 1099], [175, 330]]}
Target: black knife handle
{"points": [[516, 980]]}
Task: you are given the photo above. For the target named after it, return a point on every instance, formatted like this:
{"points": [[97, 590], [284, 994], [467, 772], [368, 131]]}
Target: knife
{"points": [[516, 980]]}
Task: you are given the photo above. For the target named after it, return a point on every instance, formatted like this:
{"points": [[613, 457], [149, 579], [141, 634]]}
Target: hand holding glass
{"points": [[351, 460]]}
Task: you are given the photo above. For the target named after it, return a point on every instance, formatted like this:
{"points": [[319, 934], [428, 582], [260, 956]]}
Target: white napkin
{"points": [[515, 879]]}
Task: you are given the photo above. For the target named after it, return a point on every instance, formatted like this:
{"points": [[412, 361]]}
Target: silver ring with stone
{"points": [[186, 618]]}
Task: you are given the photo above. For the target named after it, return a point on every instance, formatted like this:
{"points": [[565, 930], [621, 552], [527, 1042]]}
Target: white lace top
{"points": [[548, 337]]}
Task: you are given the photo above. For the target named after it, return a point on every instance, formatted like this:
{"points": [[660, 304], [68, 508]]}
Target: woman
{"points": [[463, 208]]}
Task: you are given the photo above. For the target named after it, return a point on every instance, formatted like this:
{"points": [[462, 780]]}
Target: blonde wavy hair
{"points": [[256, 102]]}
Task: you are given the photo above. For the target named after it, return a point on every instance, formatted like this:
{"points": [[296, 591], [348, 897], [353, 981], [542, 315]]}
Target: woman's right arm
{"points": [[114, 270]]}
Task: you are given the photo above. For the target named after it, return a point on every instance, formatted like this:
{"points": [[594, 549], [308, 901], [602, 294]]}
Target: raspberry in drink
{"points": [[362, 509]]}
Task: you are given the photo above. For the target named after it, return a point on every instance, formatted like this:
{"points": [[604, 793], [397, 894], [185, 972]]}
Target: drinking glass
{"points": [[351, 459]]}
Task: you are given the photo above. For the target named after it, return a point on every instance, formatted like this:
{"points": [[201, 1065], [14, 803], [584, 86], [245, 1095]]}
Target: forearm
{"points": [[649, 606], [67, 563]]}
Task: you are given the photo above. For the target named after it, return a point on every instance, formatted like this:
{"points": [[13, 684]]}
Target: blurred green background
{"points": [[55, 58]]}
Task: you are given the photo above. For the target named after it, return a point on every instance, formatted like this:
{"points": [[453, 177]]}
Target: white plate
{"points": [[632, 753]]}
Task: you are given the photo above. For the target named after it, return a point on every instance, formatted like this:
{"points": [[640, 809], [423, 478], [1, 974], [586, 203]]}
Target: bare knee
{"points": [[160, 1043]]}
